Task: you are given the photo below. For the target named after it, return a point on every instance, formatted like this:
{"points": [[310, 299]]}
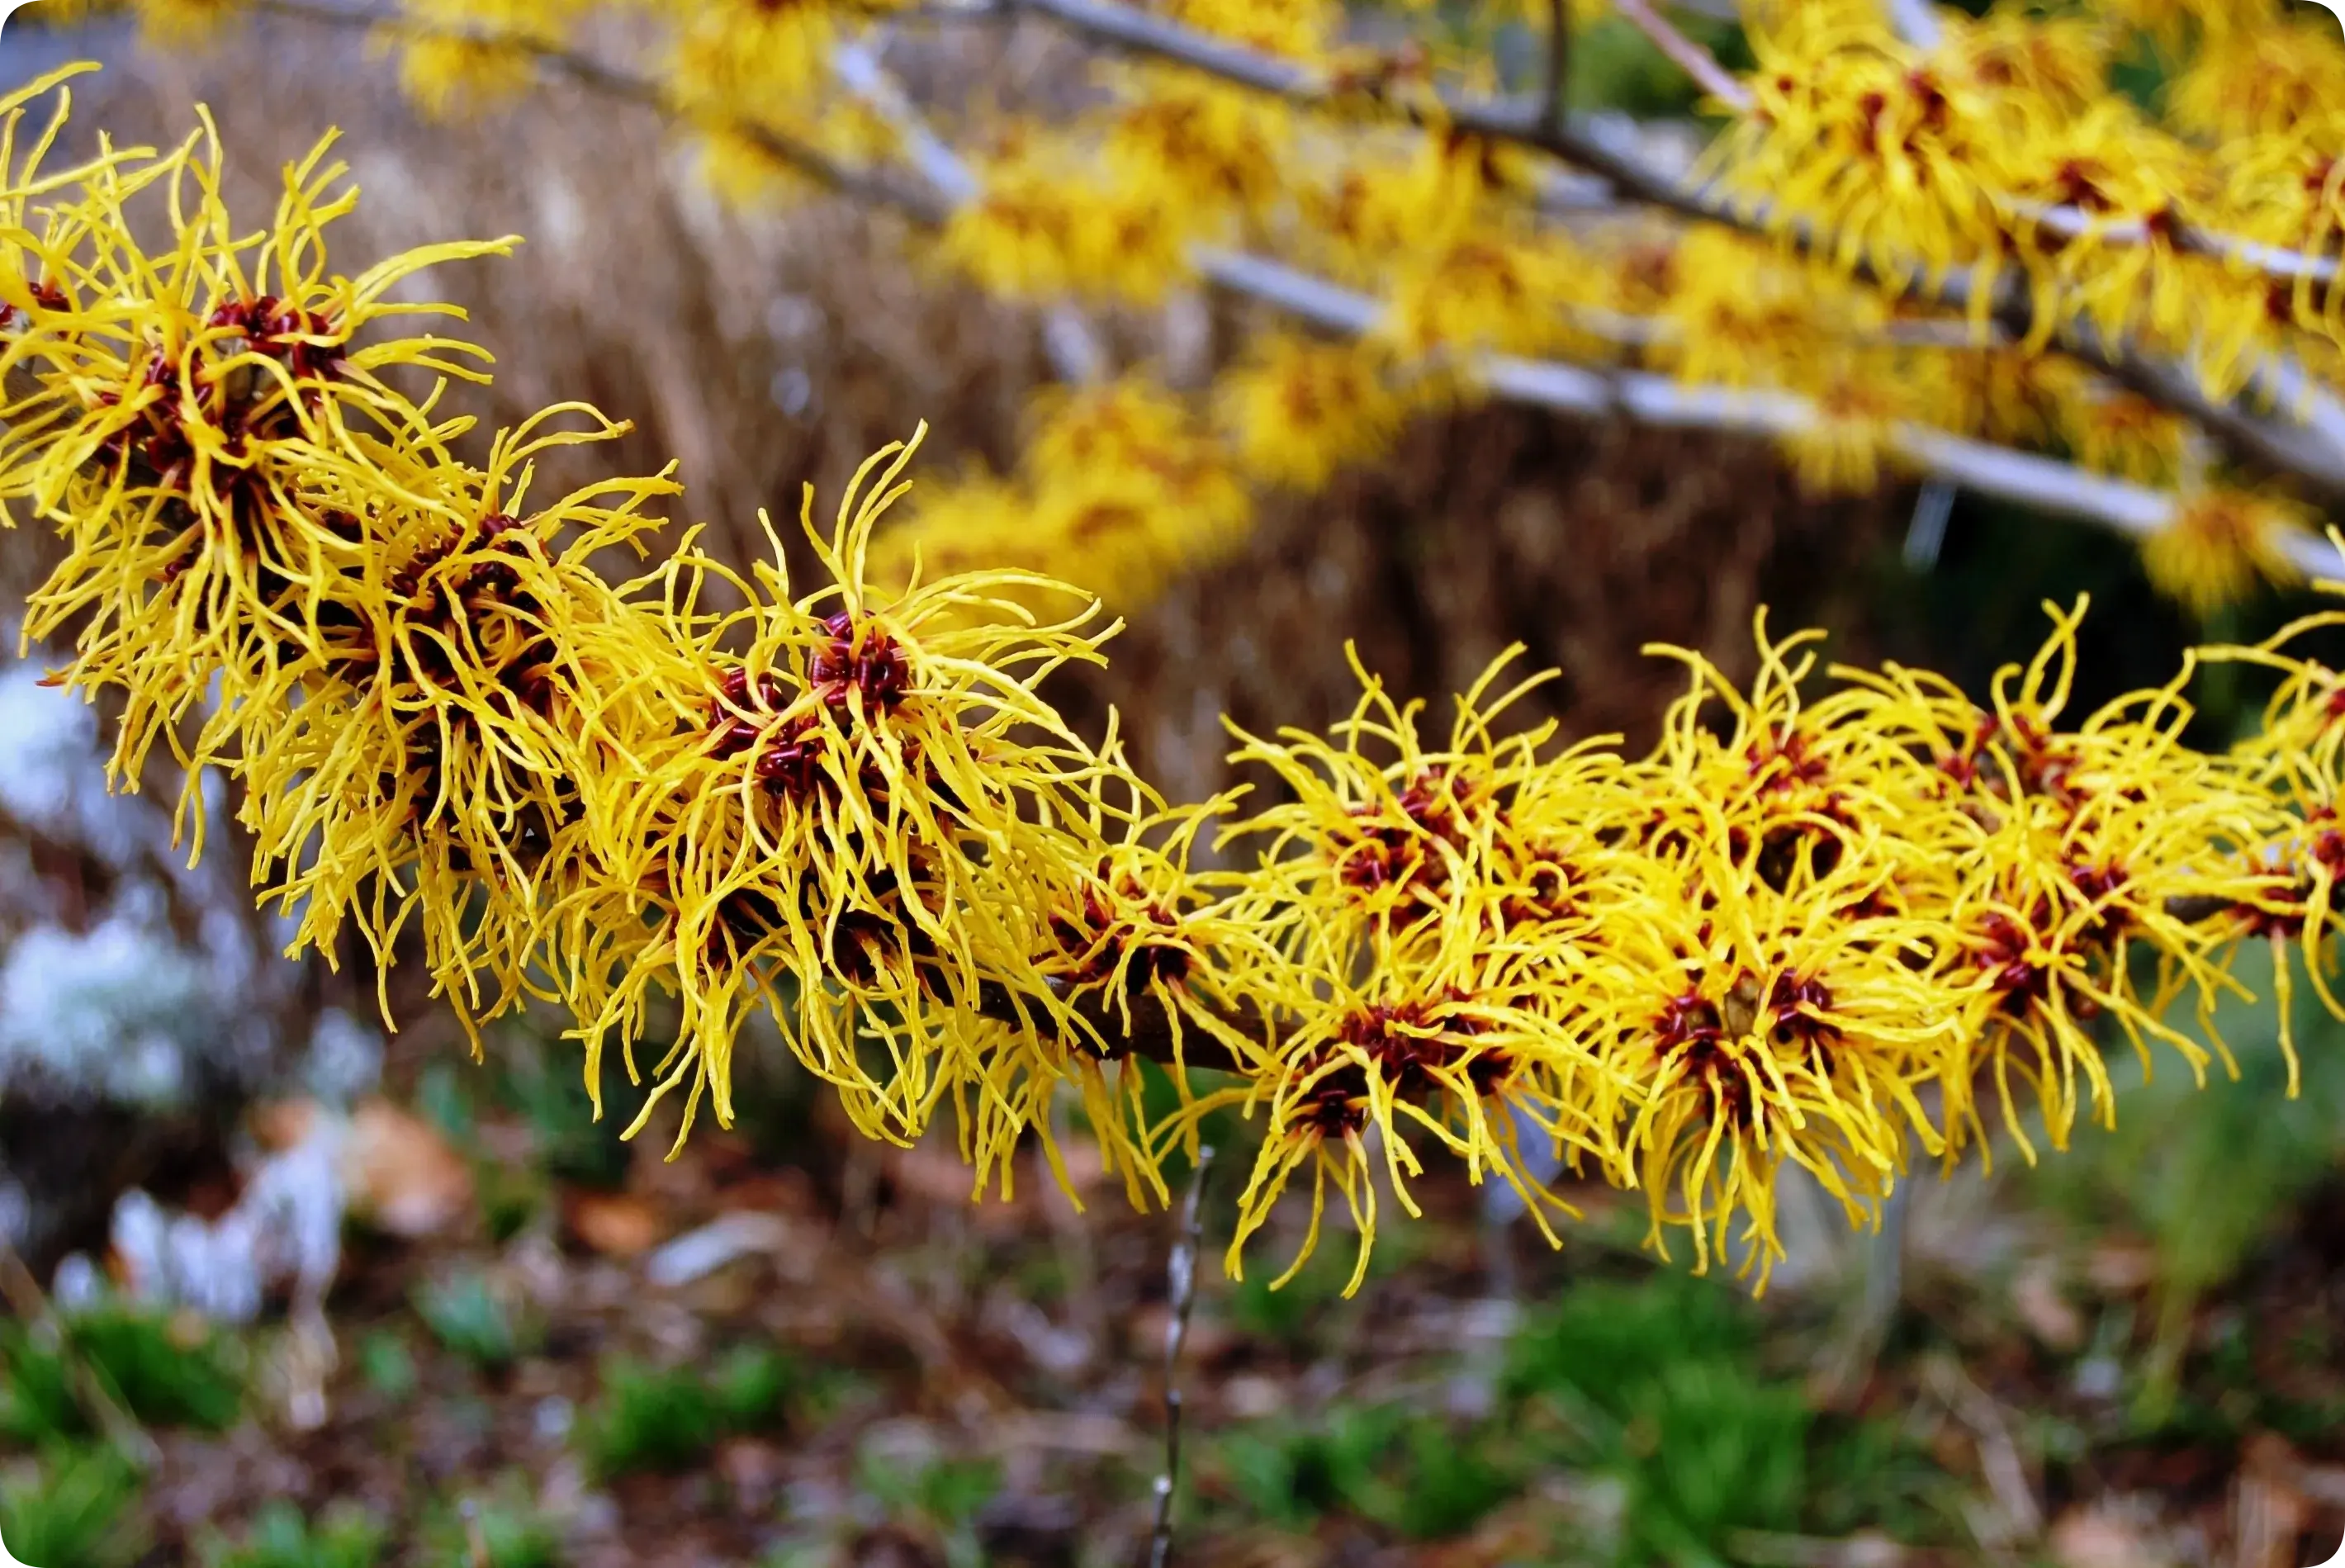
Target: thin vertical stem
{"points": [[1558, 63], [1180, 1275], [476, 1538]]}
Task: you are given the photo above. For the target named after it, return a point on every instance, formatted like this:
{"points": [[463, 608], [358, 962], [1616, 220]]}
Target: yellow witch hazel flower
{"points": [[2298, 757], [1127, 472], [2110, 165], [820, 833], [1375, 841], [1853, 132], [2061, 61], [978, 519], [1490, 286], [1121, 488], [1384, 192], [1299, 410], [456, 54], [1853, 437], [2259, 73], [1741, 310], [1786, 999], [1421, 1046], [176, 24], [1417, 931], [1049, 221], [2117, 432], [1132, 946], [2221, 543], [197, 423], [455, 756], [1762, 1029], [1208, 147], [748, 55], [2095, 842], [1300, 29], [1798, 784]]}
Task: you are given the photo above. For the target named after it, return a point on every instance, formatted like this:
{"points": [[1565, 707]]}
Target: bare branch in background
{"points": [[1073, 349], [1180, 1278], [857, 66], [1648, 398], [1119, 27], [1688, 56], [2277, 263], [1652, 399]]}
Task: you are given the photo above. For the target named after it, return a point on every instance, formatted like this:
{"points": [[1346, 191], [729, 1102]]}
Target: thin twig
{"points": [[1180, 1278], [1999, 1460], [18, 1288], [873, 186], [1559, 61], [1652, 399], [1688, 56]]}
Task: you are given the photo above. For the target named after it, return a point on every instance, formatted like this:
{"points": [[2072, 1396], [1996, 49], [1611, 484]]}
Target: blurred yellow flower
{"points": [[2220, 544]]}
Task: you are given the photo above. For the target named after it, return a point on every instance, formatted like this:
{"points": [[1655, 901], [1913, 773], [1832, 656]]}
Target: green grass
{"points": [[2207, 1175], [343, 1536], [1650, 1393], [171, 1371], [1418, 1475], [1655, 1385], [651, 1418], [72, 1508], [511, 1531], [466, 1316], [37, 1397], [164, 1371], [939, 1497], [387, 1366]]}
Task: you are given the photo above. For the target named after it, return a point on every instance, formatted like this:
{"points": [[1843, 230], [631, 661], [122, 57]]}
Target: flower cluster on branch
{"points": [[1846, 921]]}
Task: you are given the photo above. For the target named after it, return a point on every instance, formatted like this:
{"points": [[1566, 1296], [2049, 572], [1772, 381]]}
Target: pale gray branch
{"points": [[1523, 122], [857, 66], [1916, 22], [2043, 482], [1073, 349], [1686, 55], [1181, 1299], [2277, 263]]}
